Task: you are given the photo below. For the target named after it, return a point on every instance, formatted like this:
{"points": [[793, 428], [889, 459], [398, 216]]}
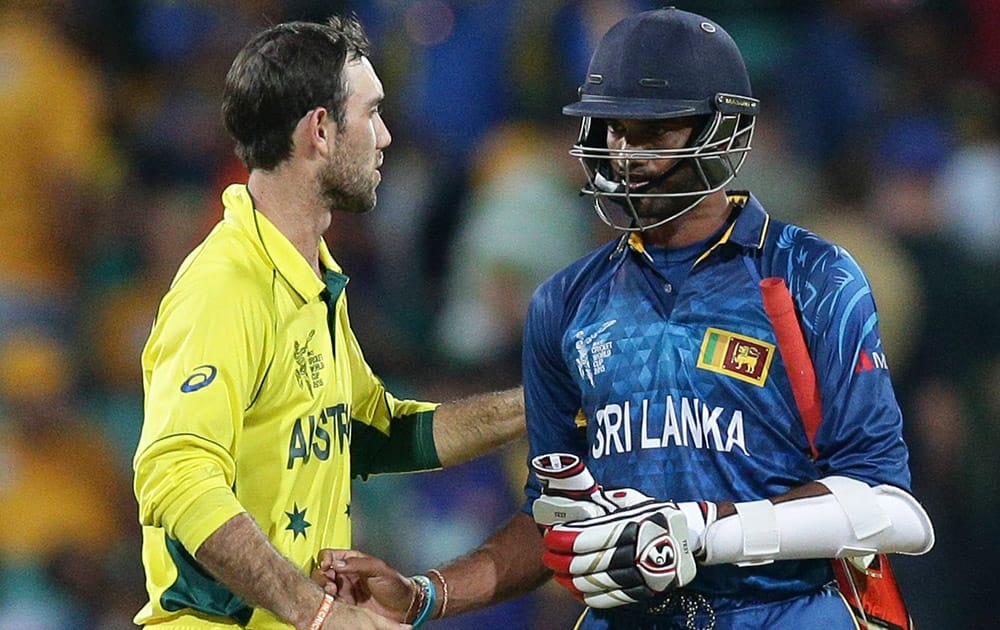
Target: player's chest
{"points": [[639, 332], [305, 377]]}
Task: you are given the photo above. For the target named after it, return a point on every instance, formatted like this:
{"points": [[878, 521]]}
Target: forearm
{"points": [[239, 555], [811, 489], [473, 426], [507, 565]]}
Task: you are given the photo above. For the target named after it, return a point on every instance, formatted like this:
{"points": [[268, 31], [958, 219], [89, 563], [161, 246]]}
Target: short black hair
{"points": [[280, 74]]}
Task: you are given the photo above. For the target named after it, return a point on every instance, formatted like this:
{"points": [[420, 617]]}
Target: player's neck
{"points": [[696, 225], [291, 206]]}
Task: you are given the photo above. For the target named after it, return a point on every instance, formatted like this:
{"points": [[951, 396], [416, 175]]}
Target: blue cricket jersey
{"points": [[682, 392]]}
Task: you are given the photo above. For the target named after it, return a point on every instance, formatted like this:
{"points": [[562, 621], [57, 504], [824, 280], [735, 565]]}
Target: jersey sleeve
{"points": [[551, 396], [860, 435], [202, 365], [388, 434]]}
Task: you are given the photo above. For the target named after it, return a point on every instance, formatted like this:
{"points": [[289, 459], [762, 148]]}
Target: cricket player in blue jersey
{"points": [[674, 480]]}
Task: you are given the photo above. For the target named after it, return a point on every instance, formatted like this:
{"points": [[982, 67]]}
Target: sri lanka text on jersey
{"points": [[685, 423]]}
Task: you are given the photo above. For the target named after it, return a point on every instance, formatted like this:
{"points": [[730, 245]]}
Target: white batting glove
{"points": [[623, 557], [700, 514], [569, 492]]}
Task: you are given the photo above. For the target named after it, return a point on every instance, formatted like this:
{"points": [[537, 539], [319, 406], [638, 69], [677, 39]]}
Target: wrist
{"points": [[442, 590], [416, 602], [322, 612], [427, 598]]}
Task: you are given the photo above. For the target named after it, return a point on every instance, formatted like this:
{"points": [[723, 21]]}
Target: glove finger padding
{"points": [[641, 552], [569, 492], [607, 531], [548, 510], [592, 562], [602, 593]]}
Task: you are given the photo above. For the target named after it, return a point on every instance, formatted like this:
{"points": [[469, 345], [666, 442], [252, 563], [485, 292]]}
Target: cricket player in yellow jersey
{"points": [[259, 405]]}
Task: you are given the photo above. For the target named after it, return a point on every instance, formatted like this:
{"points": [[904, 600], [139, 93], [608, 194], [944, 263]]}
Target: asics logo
{"points": [[202, 376]]}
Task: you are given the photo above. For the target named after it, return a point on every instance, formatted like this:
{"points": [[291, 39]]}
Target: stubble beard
{"points": [[653, 209], [346, 187]]}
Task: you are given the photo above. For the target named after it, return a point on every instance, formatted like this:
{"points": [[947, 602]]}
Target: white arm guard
{"points": [[853, 520]]}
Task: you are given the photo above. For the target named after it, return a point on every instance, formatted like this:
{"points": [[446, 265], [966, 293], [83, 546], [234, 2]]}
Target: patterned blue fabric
{"points": [[824, 610], [683, 394]]}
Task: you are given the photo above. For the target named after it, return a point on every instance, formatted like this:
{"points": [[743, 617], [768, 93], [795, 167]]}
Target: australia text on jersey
{"points": [[311, 436], [686, 423]]}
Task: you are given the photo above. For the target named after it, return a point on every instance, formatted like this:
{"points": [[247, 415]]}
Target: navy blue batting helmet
{"points": [[662, 64]]}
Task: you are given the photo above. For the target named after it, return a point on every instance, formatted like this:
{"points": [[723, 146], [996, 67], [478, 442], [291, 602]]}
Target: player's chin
{"points": [[647, 207], [357, 203], [369, 204], [652, 211]]}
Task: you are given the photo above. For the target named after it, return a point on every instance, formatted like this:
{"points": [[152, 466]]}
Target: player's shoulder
{"points": [[794, 237], [226, 265], [818, 271], [578, 276], [801, 250]]}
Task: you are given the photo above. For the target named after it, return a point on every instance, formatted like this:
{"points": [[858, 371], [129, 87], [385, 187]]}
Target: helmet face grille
{"points": [[708, 164]]}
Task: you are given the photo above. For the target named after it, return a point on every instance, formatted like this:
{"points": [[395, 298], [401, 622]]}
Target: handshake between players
{"points": [[608, 547], [616, 546]]}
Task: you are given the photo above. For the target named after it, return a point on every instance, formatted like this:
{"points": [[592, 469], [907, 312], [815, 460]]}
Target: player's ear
{"points": [[317, 129]]}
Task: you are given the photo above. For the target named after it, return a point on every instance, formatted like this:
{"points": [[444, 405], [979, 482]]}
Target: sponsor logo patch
{"points": [[869, 360], [738, 356], [202, 376]]}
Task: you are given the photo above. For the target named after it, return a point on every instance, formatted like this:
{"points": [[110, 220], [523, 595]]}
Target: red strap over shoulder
{"points": [[795, 354]]}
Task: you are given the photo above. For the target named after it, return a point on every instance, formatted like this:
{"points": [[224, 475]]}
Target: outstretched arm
{"points": [[507, 565], [425, 436], [470, 427]]}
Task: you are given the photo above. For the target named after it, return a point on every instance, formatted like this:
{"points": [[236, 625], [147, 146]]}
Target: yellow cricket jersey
{"points": [[253, 389]]}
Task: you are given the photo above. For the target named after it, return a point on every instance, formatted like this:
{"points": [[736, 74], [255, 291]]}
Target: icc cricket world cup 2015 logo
{"points": [[308, 365]]}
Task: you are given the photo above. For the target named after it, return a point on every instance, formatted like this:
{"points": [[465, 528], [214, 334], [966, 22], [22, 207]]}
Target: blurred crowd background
{"points": [[878, 129]]}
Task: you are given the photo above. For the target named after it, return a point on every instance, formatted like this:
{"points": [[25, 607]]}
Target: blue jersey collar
{"points": [[747, 231]]}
